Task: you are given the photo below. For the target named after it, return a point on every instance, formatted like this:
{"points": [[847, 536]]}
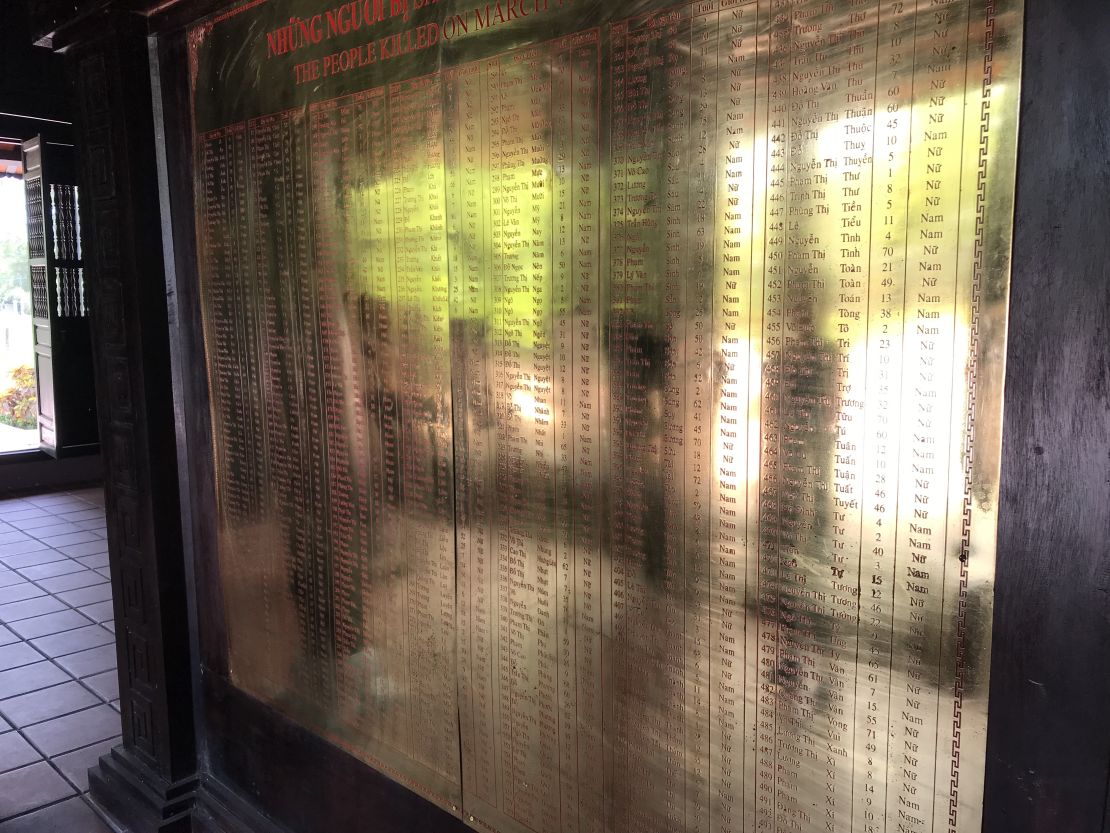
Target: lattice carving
{"points": [[36, 227], [40, 295], [70, 285], [66, 221]]}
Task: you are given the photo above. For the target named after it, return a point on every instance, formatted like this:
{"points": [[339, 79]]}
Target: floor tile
{"points": [[69, 539], [82, 515], [100, 559], [16, 752], [86, 595], [55, 502], [63, 734], [47, 704], [93, 547], [17, 655], [55, 530], [38, 522], [99, 612], [19, 513], [49, 605], [30, 678], [8, 577], [70, 816], [106, 684], [54, 568], [30, 787], [63, 620], [70, 642], [14, 611], [33, 545], [93, 493], [29, 559], [70, 581], [75, 765], [19, 592], [87, 663]]}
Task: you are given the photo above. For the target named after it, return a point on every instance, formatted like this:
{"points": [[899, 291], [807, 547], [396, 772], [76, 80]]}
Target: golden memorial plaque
{"points": [[606, 399]]}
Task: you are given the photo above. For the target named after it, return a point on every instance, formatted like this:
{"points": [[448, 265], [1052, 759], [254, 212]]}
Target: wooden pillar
{"points": [[148, 782], [1048, 750]]}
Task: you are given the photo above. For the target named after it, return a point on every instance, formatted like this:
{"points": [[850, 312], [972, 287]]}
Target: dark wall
{"points": [[1049, 727], [33, 80], [35, 475]]}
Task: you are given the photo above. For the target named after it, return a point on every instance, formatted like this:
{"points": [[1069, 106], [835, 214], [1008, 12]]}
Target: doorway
{"points": [[18, 388]]}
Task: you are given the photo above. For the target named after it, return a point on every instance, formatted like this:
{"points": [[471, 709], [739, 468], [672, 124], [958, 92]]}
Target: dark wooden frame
{"points": [[1048, 767], [1048, 750], [148, 781]]}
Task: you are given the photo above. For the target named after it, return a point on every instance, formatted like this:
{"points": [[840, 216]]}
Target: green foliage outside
{"points": [[19, 403]]}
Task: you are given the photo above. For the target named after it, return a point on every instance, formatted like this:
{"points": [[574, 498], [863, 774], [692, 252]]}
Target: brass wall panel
{"points": [[607, 400]]}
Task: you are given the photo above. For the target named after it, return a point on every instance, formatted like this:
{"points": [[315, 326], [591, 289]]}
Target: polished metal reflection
{"points": [[607, 402]]}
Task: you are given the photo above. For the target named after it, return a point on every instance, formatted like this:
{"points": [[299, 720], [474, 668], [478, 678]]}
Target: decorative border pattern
{"points": [[978, 270]]}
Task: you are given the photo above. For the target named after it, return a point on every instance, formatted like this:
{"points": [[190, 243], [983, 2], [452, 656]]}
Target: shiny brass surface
{"points": [[607, 400]]}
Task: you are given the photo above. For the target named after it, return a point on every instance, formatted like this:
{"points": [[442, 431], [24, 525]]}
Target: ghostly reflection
{"points": [[598, 423]]}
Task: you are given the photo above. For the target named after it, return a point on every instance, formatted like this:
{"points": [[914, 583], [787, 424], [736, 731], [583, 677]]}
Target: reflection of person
{"points": [[798, 528], [303, 500], [651, 624]]}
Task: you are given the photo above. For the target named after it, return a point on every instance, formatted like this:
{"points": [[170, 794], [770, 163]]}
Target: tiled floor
{"points": [[59, 710]]}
